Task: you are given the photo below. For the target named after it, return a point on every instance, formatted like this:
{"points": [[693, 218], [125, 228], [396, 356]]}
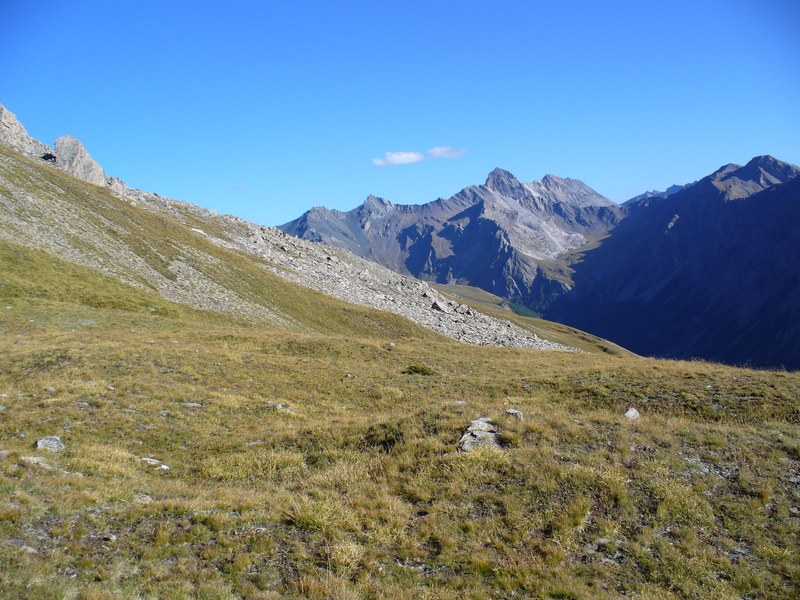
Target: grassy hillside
{"points": [[304, 462]]}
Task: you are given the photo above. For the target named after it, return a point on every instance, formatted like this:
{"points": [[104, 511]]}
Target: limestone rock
{"points": [[75, 160], [480, 433], [632, 414], [517, 414], [52, 443], [440, 306], [13, 135]]}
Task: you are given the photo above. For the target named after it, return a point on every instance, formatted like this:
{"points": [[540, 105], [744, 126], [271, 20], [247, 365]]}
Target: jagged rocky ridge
{"points": [[507, 237], [82, 233]]}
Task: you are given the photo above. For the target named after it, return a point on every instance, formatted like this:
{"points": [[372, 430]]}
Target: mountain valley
{"points": [[705, 270], [194, 406]]}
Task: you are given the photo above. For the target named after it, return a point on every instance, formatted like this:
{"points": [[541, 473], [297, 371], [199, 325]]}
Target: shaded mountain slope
{"points": [[712, 271]]}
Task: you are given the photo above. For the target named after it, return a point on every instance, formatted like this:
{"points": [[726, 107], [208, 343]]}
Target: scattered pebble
{"points": [[28, 549], [517, 414], [280, 407], [5, 453], [154, 462], [51, 389]]}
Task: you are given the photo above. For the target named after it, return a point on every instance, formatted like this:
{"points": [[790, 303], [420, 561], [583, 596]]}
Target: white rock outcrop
{"points": [[75, 160], [14, 135]]}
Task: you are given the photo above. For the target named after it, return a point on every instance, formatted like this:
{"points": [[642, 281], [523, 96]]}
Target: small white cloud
{"points": [[398, 158], [445, 152]]}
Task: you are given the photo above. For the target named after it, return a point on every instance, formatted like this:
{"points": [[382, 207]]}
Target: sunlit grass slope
{"points": [[306, 463]]}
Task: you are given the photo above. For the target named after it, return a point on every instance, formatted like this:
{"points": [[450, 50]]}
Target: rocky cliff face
{"points": [[711, 271], [13, 135], [73, 158], [506, 236]]}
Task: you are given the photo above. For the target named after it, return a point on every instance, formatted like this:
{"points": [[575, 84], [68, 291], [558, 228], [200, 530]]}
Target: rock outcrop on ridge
{"points": [[69, 154], [14, 135], [73, 158]]}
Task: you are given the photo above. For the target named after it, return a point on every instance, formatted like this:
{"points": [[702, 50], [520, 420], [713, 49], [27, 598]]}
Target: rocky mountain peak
{"points": [[14, 135], [768, 170], [375, 205], [504, 183], [759, 173], [75, 159]]}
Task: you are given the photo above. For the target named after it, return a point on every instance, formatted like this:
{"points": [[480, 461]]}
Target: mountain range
{"points": [[710, 269], [507, 237]]}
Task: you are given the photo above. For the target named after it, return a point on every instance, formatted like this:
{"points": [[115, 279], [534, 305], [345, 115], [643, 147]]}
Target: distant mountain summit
{"points": [[505, 236]]}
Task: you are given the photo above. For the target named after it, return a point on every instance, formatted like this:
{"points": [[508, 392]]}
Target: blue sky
{"points": [[264, 109]]}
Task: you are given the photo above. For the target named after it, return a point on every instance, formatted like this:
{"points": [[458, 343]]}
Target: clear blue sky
{"points": [[264, 109]]}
